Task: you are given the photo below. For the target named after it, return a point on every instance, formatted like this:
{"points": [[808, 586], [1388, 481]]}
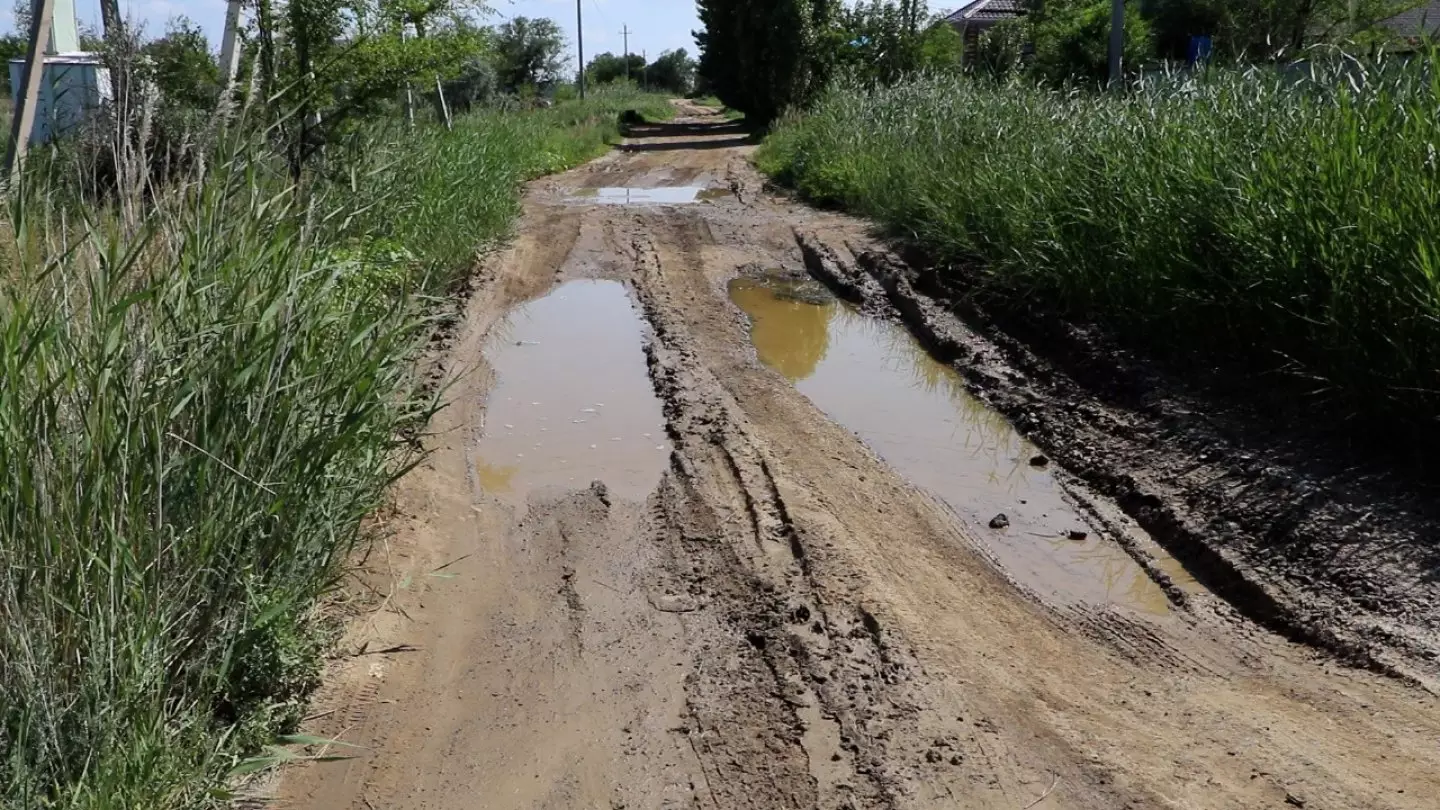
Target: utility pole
{"points": [[625, 32], [23, 124], [580, 42], [230, 47], [1117, 40]]}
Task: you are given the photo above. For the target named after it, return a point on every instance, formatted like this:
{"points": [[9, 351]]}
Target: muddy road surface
{"points": [[697, 534]]}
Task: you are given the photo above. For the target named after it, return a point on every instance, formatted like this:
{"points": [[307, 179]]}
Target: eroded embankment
{"points": [[1331, 557]]}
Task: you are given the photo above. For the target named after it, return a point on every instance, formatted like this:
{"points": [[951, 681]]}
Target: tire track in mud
{"points": [[785, 621], [1016, 382], [842, 685]]}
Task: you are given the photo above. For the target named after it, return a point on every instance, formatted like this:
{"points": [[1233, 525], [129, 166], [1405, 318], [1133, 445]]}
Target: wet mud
{"points": [[789, 593]]}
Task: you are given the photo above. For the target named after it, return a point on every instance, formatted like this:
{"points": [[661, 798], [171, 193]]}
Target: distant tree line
{"points": [[671, 72], [766, 56]]}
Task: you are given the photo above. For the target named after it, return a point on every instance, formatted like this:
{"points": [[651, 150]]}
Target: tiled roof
{"points": [[1417, 21], [990, 10]]}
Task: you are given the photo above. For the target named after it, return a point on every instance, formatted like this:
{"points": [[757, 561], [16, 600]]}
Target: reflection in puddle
{"points": [[572, 401], [674, 195], [873, 377]]}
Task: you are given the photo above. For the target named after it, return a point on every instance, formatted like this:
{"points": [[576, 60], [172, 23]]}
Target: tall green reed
{"points": [[1288, 222], [202, 390]]}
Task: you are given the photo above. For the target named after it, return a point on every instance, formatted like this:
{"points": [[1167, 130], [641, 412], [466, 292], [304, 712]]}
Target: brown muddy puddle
{"points": [[572, 402], [671, 195], [874, 378]]}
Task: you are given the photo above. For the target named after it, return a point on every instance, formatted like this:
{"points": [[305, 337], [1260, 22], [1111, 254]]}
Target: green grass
{"points": [[712, 101], [1243, 218], [198, 410]]}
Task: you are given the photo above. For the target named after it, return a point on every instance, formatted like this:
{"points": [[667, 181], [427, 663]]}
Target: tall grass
{"points": [[1291, 224], [197, 412]]}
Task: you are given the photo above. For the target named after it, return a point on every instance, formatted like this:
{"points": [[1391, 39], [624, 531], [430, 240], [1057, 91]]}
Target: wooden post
{"points": [[23, 124], [444, 108]]}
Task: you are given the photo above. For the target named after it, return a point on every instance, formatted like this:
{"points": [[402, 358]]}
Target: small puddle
{"points": [[673, 195], [874, 378], [572, 402]]}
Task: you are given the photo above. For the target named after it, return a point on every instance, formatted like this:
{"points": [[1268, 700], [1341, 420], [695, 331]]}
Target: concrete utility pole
{"points": [[230, 47], [580, 42], [23, 124], [1117, 40], [625, 32], [64, 33]]}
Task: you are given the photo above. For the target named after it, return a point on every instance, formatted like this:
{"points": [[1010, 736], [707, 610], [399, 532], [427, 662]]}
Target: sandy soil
{"points": [[783, 621]]}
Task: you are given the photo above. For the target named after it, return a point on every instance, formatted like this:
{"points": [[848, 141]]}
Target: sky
{"points": [[655, 25]]}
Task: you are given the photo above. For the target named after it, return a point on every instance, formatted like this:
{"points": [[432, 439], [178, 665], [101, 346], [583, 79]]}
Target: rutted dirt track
{"points": [[778, 619]]}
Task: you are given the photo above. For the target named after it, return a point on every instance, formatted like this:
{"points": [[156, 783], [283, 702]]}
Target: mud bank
{"points": [[1337, 560]]}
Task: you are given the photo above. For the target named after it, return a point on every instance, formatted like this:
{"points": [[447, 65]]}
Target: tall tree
{"points": [[883, 40], [529, 53], [673, 72], [181, 66], [607, 67], [765, 56]]}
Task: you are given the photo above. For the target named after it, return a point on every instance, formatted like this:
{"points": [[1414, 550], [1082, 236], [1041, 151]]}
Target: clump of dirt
{"points": [[1327, 553]]}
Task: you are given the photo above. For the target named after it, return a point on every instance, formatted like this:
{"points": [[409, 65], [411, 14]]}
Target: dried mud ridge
{"points": [[1339, 561]]}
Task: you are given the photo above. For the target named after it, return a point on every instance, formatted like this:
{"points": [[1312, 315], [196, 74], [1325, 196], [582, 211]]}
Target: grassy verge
{"points": [[1290, 226], [712, 101], [197, 412]]}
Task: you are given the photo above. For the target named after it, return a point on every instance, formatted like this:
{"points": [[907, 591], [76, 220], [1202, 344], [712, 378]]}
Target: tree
{"points": [[12, 46], [1072, 39], [181, 67], [23, 12], [529, 53], [426, 15], [941, 47], [885, 40], [673, 72], [765, 56], [607, 67], [880, 40], [1267, 29]]}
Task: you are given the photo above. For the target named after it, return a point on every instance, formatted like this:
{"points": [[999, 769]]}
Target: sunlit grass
{"points": [[197, 412], [1289, 224]]}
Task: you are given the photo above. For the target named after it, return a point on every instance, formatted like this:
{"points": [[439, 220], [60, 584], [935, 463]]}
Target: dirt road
{"points": [[657, 561]]}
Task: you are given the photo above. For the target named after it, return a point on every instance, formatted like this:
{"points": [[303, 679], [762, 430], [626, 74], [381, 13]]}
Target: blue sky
{"points": [[655, 25]]}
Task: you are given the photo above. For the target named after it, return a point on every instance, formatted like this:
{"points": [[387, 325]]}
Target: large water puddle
{"points": [[874, 378], [671, 195], [572, 402]]}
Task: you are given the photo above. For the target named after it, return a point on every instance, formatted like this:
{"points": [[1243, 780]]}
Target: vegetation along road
{"points": [[695, 532], [1011, 411]]}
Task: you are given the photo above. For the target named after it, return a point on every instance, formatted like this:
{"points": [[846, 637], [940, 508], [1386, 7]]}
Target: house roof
{"points": [[989, 10], [1419, 21]]}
